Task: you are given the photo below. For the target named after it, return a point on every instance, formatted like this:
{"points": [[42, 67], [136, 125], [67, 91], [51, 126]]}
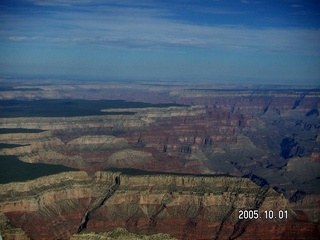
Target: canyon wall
{"points": [[186, 207], [268, 138]]}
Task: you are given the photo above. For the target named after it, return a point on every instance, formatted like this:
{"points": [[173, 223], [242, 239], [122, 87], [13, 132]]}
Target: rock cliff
{"points": [[234, 132], [197, 206], [121, 234], [10, 232], [269, 135]]}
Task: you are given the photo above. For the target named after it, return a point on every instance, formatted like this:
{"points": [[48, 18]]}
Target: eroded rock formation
{"points": [[121, 234], [270, 136], [186, 207], [10, 232]]}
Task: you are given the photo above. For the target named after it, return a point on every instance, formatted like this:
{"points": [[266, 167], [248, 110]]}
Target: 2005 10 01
{"points": [[267, 214]]}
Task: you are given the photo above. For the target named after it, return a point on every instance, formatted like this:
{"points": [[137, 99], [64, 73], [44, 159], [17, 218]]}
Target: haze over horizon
{"points": [[238, 41]]}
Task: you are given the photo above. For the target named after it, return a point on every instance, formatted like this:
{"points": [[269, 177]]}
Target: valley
{"points": [[152, 156]]}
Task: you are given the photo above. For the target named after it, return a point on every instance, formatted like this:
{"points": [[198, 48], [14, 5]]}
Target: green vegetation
{"points": [[19, 130], [137, 172], [68, 107], [14, 170], [9, 145]]}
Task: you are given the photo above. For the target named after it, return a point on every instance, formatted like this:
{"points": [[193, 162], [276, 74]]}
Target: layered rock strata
{"points": [[184, 206], [272, 135], [233, 132], [120, 234], [10, 232]]}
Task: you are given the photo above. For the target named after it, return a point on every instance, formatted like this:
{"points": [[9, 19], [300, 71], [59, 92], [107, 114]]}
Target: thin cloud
{"points": [[150, 28], [166, 35], [216, 11], [77, 3], [61, 3]]}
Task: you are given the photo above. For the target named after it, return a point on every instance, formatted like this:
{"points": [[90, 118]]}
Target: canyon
{"points": [[205, 207], [188, 156]]}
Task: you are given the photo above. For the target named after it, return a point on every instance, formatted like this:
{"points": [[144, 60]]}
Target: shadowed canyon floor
{"points": [[254, 148]]}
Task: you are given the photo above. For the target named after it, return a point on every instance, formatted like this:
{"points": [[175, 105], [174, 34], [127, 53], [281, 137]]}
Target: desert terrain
{"points": [[158, 160]]}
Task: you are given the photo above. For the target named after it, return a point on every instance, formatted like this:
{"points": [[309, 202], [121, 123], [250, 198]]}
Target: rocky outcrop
{"points": [[166, 136], [253, 101], [121, 234], [197, 206], [233, 132], [58, 123], [303, 169], [269, 133], [18, 196], [129, 158], [53, 204], [94, 142], [9, 232]]}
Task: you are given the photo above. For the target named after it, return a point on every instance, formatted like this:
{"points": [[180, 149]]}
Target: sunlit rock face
{"points": [[52, 204], [163, 139], [9, 231], [267, 138], [181, 206], [121, 233], [221, 131]]}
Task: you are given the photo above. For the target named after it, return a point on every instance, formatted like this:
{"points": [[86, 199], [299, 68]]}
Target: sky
{"points": [[220, 41]]}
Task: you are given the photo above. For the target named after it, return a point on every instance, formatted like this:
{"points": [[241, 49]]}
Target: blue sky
{"points": [[276, 41]]}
